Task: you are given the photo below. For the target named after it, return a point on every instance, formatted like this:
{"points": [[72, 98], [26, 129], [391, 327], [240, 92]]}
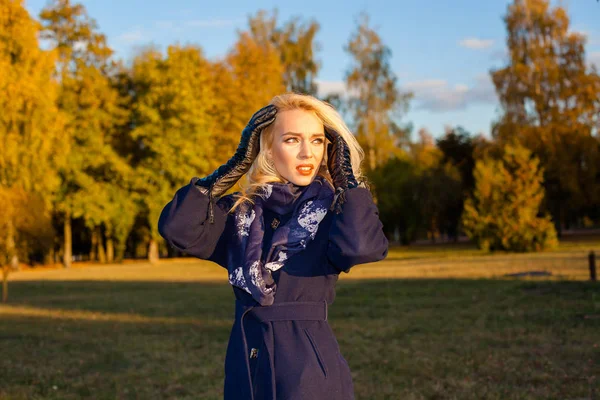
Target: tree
{"points": [[503, 212], [174, 104], [248, 78], [295, 43], [31, 136], [435, 185], [397, 202], [93, 107], [378, 102], [458, 149], [551, 102]]}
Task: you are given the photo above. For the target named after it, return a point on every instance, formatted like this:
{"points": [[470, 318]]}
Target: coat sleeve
{"points": [[184, 224], [356, 235]]}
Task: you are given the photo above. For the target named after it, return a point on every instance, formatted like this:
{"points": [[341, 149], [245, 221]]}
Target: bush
{"points": [[503, 212]]}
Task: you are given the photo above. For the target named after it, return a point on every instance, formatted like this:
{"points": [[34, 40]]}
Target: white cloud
{"points": [[476, 43], [213, 23], [434, 95], [180, 26], [425, 85], [332, 87], [437, 95], [133, 36]]}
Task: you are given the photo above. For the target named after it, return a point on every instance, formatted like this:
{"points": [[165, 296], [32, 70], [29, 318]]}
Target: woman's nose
{"points": [[306, 150]]}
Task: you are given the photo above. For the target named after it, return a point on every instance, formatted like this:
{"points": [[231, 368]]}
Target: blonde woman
{"points": [[304, 214]]}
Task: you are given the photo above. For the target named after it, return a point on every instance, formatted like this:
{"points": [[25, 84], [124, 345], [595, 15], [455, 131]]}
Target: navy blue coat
{"points": [[273, 357]]}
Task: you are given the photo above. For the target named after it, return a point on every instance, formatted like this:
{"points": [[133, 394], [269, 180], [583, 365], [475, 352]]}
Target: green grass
{"points": [[160, 332]]}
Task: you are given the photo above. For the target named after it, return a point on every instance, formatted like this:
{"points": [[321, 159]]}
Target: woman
{"points": [[300, 219]]}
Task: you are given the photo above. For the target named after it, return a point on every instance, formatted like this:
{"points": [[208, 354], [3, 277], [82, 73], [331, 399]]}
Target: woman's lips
{"points": [[305, 169]]}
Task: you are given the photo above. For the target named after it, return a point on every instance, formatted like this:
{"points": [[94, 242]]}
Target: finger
{"points": [[260, 126], [265, 113], [331, 134]]}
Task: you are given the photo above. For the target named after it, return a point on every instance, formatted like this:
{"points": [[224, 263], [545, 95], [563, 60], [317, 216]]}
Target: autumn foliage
{"points": [[91, 149], [503, 212]]}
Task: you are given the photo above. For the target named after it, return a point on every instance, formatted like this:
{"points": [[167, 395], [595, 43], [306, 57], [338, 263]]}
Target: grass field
{"points": [[437, 322]]}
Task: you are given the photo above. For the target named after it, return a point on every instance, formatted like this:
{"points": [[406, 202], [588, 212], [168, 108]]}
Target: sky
{"points": [[442, 51]]}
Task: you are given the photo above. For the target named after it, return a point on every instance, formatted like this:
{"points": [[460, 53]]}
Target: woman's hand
{"points": [[339, 165], [229, 173]]}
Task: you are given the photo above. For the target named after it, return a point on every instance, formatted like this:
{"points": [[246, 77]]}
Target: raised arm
{"points": [[191, 222], [184, 224], [356, 235]]}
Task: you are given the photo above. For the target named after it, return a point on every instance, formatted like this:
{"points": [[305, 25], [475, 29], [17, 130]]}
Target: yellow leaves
{"points": [[249, 77], [30, 124], [502, 214]]}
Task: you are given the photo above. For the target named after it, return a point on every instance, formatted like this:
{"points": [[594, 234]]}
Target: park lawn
{"points": [[137, 331]]}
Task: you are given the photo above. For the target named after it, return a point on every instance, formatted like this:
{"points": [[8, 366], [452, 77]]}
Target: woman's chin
{"points": [[300, 180]]}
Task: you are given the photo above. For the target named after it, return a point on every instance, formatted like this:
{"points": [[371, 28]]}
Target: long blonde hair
{"points": [[261, 172]]}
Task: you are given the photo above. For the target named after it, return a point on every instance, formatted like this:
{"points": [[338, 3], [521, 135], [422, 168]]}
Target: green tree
{"points": [[458, 148], [435, 185], [94, 108], [551, 103], [503, 212], [173, 120], [393, 184], [375, 102]]}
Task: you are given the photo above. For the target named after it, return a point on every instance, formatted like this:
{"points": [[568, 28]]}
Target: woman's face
{"points": [[298, 140]]}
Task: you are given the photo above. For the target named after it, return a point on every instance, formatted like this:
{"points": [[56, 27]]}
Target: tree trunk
{"points": [[93, 253], [5, 271], [68, 242], [101, 252], [11, 246], [110, 250], [153, 251]]}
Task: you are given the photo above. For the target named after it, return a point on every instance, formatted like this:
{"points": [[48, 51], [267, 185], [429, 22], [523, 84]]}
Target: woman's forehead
{"points": [[298, 121]]}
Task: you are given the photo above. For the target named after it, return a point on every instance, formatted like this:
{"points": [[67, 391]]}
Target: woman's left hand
{"points": [[339, 163]]}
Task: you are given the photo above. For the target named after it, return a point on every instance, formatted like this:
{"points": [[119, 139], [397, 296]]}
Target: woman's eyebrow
{"points": [[299, 134]]}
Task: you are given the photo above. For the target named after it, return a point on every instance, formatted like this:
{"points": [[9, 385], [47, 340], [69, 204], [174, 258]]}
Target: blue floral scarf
{"points": [[309, 205]]}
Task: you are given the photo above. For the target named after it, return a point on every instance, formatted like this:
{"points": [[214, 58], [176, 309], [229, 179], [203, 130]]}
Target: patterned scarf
{"points": [[308, 204]]}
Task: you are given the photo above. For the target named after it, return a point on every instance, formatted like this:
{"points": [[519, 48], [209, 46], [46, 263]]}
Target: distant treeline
{"points": [[92, 148]]}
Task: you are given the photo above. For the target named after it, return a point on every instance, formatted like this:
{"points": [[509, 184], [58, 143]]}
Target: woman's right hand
{"points": [[229, 173]]}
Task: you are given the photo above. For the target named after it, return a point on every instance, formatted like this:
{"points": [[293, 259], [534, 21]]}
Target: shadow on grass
{"points": [[409, 339]]}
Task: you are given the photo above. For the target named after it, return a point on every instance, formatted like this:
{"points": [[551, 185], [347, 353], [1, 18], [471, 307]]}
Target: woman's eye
{"points": [[319, 141]]}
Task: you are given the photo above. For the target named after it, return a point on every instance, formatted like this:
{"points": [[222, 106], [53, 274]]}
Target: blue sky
{"points": [[442, 50]]}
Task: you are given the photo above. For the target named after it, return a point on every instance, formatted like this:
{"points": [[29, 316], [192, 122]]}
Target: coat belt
{"points": [[285, 311]]}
